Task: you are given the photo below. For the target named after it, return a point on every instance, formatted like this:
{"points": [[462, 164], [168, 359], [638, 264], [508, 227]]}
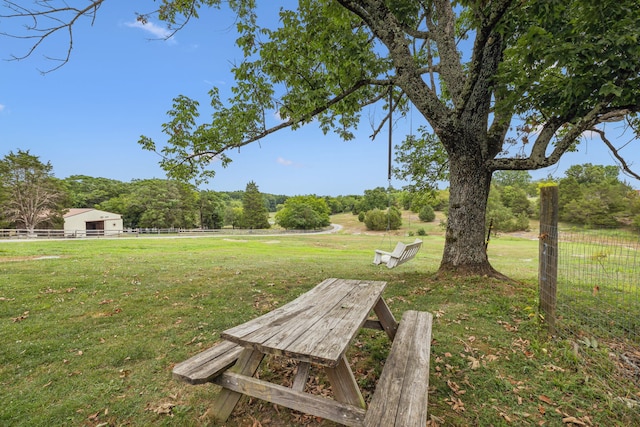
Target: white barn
{"points": [[91, 222]]}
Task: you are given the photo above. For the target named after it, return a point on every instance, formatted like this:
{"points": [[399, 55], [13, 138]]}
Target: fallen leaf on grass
{"points": [[456, 404], [545, 399], [435, 421], [473, 363], [7, 299], [21, 317], [105, 301], [507, 326], [455, 388], [491, 357], [573, 420], [553, 368], [631, 403], [162, 409], [506, 417]]}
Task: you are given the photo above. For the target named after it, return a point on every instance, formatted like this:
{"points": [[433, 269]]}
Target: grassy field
{"points": [[90, 330]]}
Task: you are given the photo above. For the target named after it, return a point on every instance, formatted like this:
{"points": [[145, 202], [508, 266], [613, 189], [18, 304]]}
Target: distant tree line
{"points": [[31, 197]]}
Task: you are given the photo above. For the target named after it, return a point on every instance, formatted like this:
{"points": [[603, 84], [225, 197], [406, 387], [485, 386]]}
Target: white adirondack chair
{"points": [[401, 254]]}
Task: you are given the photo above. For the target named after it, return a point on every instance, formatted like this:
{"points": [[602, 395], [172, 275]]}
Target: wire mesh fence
{"points": [[597, 302]]}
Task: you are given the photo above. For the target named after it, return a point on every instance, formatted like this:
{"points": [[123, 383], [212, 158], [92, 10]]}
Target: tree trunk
{"points": [[465, 250]]}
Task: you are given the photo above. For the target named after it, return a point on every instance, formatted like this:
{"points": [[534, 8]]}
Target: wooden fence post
{"points": [[548, 254]]}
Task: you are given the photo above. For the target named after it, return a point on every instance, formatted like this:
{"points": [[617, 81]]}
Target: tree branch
{"points": [[483, 64], [59, 23], [537, 158], [386, 27], [289, 123], [451, 70], [616, 153]]}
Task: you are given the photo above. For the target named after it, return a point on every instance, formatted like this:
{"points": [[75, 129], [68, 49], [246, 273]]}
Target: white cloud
{"points": [[1, 107], [215, 82], [284, 162], [155, 30]]}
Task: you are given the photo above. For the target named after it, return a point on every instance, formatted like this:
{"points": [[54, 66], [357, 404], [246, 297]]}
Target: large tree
{"points": [[255, 214], [304, 213], [503, 84], [29, 193], [88, 192]]}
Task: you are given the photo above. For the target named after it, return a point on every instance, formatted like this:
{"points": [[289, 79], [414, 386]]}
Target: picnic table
{"points": [[316, 329]]}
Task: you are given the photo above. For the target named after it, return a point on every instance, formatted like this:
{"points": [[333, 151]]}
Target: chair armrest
{"points": [[378, 251]]}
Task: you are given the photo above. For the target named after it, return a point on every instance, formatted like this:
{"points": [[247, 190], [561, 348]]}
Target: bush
{"points": [[421, 232], [303, 213], [379, 220], [504, 220], [361, 216], [427, 214]]}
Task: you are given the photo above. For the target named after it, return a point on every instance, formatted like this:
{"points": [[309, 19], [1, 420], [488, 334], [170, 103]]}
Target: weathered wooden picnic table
{"points": [[316, 329]]}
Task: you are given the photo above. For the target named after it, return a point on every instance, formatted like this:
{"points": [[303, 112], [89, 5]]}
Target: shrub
{"points": [[380, 220], [361, 216], [427, 214], [304, 213], [421, 232]]}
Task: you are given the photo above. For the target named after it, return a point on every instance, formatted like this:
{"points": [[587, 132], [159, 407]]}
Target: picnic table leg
{"points": [[385, 316], [301, 377], [344, 385], [247, 364]]}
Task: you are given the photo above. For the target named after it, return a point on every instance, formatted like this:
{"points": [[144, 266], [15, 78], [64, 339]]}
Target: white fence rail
{"points": [[11, 233]]}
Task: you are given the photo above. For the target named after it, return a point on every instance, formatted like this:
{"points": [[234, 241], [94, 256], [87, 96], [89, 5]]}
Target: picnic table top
{"points": [[316, 327]]}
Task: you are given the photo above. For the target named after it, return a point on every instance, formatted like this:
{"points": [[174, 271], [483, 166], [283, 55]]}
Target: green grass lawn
{"points": [[91, 329]]}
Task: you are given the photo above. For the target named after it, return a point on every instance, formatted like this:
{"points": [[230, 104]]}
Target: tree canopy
{"points": [[304, 213], [29, 193], [503, 84], [254, 209]]}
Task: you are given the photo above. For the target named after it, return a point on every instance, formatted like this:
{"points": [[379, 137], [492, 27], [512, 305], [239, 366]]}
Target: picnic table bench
{"points": [[316, 329], [401, 253]]}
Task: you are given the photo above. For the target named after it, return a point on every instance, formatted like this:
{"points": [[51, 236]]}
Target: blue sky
{"points": [[87, 117]]}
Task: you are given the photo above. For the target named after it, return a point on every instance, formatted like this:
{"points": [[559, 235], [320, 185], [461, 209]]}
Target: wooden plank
{"points": [[247, 365], [412, 409], [310, 404], [338, 326], [401, 395], [202, 367], [286, 320], [281, 313], [337, 308], [386, 318], [300, 380], [279, 336], [344, 385]]}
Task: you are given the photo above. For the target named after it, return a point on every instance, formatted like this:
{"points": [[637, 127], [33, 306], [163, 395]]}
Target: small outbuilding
{"points": [[91, 222]]}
